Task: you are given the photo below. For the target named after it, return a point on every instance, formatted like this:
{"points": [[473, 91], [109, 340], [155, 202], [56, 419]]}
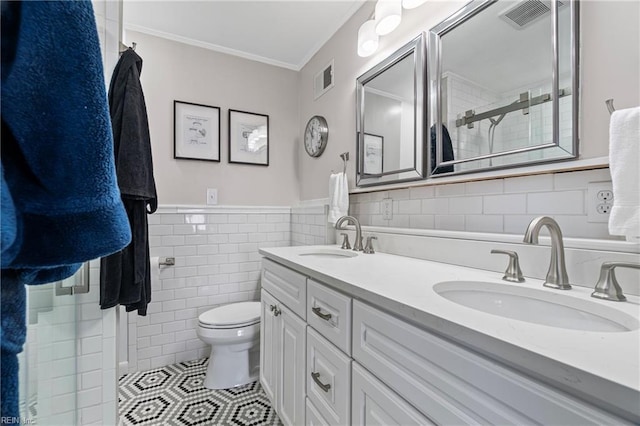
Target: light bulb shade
{"points": [[367, 39], [411, 4], [388, 15]]}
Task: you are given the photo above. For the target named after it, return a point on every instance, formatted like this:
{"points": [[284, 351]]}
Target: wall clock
{"points": [[316, 135]]}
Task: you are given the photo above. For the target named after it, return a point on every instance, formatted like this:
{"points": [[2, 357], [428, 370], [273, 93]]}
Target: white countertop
{"points": [[601, 366]]}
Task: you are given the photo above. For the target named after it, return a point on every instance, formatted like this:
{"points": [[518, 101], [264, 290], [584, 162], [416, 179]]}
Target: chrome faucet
{"points": [[357, 245], [557, 275]]}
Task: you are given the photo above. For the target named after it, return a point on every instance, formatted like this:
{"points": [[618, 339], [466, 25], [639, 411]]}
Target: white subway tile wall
{"points": [[499, 205], [216, 262], [97, 364], [309, 226]]}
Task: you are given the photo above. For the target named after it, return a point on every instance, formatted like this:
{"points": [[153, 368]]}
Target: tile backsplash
{"points": [[504, 206], [309, 226]]}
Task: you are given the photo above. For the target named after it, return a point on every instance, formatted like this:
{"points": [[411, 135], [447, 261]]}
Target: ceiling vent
{"points": [[323, 81], [527, 12]]}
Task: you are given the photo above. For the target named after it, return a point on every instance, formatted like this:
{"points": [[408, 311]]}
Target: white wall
{"points": [[175, 71], [610, 57]]}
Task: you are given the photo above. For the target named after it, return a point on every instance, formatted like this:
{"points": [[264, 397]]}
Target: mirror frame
{"points": [[417, 49], [435, 102]]}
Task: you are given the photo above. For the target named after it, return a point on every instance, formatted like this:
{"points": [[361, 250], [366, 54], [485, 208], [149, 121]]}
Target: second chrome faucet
{"points": [[557, 275]]}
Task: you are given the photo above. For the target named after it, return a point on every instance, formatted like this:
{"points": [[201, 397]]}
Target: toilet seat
{"points": [[235, 315]]}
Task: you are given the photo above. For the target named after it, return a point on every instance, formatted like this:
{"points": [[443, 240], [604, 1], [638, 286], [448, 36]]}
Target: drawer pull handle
{"points": [[319, 313], [316, 379]]}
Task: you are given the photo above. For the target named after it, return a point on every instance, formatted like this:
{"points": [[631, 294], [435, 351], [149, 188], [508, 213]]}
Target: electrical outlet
{"points": [[387, 209], [605, 195], [599, 201], [212, 196]]}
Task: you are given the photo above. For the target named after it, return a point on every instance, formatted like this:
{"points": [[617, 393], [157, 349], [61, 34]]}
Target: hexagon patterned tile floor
{"points": [[175, 395]]}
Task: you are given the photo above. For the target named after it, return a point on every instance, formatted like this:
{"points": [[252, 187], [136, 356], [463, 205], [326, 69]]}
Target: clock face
{"points": [[315, 136]]}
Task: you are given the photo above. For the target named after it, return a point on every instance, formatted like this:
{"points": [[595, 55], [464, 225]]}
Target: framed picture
{"points": [[196, 131], [373, 154], [248, 138]]}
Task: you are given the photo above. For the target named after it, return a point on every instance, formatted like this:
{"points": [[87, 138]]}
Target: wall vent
{"points": [[323, 81], [526, 12]]}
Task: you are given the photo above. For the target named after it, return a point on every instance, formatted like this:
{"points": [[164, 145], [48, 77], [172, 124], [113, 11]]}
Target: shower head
{"points": [[497, 121]]}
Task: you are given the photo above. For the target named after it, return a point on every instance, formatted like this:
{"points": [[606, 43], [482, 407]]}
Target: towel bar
{"points": [[345, 158], [610, 106]]}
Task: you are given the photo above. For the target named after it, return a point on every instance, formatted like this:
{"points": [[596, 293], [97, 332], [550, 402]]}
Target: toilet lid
{"points": [[232, 314]]}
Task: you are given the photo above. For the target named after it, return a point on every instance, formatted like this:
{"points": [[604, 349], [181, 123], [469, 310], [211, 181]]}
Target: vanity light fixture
{"points": [[388, 15], [411, 4], [367, 39], [386, 18]]}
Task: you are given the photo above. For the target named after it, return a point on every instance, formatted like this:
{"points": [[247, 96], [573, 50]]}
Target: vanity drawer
{"points": [[314, 418], [288, 286], [329, 312], [328, 379], [373, 403], [452, 385]]}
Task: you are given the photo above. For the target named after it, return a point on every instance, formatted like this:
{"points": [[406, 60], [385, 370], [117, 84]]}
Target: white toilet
{"points": [[233, 331]]}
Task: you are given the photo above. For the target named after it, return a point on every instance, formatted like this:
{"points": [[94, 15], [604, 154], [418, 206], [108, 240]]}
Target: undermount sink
{"points": [[329, 253], [536, 306]]}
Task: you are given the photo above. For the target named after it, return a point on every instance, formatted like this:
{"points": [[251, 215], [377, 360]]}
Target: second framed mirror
{"points": [[390, 118]]}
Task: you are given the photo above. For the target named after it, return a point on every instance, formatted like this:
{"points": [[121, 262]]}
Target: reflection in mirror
{"points": [[390, 121], [496, 66]]}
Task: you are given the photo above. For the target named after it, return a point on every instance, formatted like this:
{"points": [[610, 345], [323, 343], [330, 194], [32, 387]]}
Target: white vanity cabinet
{"points": [[373, 403], [453, 385], [345, 361], [283, 341]]}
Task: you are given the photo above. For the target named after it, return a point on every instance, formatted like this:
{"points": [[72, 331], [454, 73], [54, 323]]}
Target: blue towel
{"points": [[60, 202]]}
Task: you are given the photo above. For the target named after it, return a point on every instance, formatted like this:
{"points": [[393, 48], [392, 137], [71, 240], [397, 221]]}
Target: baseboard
{"points": [[123, 368]]}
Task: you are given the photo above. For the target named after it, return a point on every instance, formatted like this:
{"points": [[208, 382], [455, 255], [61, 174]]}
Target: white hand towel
{"points": [[624, 164], [338, 197]]}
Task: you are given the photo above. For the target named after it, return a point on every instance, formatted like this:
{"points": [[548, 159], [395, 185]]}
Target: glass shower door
{"points": [[48, 363]]}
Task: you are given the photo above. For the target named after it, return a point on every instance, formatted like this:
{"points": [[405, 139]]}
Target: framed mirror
{"points": [[390, 118], [504, 80]]}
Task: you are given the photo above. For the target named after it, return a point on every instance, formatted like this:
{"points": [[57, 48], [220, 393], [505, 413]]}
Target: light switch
{"points": [[212, 196]]}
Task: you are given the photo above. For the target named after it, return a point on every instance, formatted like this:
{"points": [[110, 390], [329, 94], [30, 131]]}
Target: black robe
{"points": [[447, 151], [125, 276]]}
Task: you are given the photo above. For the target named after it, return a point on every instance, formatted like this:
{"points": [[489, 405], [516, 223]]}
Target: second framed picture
{"points": [[373, 154], [248, 138], [196, 131]]}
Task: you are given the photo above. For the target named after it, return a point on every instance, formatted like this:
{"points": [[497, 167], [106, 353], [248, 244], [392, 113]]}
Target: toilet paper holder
{"points": [[167, 261]]}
